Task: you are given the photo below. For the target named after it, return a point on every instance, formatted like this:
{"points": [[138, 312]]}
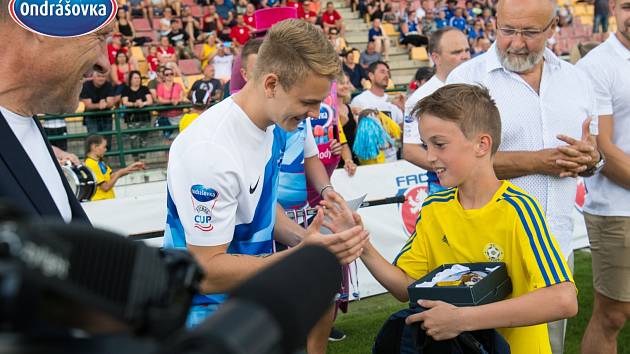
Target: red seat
{"points": [[141, 24], [196, 11], [190, 66]]}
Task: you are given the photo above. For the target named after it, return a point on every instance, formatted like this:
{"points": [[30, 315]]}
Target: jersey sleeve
{"points": [[412, 258], [203, 189], [600, 84], [310, 147], [342, 135], [540, 254]]}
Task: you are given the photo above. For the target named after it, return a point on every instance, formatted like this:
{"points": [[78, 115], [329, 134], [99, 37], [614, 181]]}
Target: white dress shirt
{"points": [[608, 68], [411, 134], [531, 121], [368, 100]]}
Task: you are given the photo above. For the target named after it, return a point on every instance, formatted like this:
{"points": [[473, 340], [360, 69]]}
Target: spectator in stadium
{"points": [[606, 210], [449, 10], [136, 95], [119, 73], [309, 15], [98, 95], [124, 26], [115, 46], [448, 48], [600, 15], [358, 76], [249, 18], [441, 21], [209, 85], [209, 49], [423, 74], [169, 93], [461, 128], [458, 20], [487, 16], [95, 149], [156, 9], [380, 39], [200, 99], [138, 9], [475, 31], [338, 42], [166, 53], [211, 22], [565, 17], [482, 45], [176, 5], [410, 33], [428, 24], [283, 87], [165, 22], [347, 121], [225, 9], [376, 9], [152, 84], [192, 25], [181, 40], [542, 161], [369, 55], [376, 99], [240, 32], [332, 19], [222, 62]]}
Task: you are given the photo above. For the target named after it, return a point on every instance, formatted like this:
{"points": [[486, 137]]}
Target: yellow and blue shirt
{"points": [[511, 228], [102, 173]]}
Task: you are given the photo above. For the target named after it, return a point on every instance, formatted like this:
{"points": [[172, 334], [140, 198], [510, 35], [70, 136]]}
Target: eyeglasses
{"points": [[168, 74], [529, 34]]}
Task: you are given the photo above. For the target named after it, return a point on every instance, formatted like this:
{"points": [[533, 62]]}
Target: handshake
{"points": [[349, 236]]}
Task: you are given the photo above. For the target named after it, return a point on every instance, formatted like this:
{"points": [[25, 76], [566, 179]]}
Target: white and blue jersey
{"points": [[292, 193], [222, 184]]}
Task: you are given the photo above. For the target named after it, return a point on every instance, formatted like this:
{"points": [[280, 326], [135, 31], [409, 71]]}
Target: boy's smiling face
{"points": [[452, 156]]}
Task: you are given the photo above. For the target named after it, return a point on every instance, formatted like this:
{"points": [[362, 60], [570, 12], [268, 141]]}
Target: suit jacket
{"points": [[21, 184]]}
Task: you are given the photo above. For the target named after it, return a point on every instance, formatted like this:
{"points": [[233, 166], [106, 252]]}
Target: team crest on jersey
{"points": [[203, 201], [493, 252], [580, 195], [410, 209]]}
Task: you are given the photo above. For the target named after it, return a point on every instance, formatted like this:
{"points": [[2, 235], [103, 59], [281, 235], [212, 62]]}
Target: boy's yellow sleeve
{"points": [[412, 258], [342, 135], [541, 255], [96, 170]]}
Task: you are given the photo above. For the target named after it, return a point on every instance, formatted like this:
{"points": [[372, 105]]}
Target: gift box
{"points": [[495, 286]]}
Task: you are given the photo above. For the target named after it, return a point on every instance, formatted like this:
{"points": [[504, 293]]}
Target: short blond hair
{"points": [[294, 48]]}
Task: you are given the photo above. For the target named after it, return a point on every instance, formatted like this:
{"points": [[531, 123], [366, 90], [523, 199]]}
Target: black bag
{"points": [[397, 337]]}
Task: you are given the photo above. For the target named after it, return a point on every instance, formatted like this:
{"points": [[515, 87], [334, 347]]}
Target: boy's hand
{"points": [[347, 245], [339, 215], [441, 320]]}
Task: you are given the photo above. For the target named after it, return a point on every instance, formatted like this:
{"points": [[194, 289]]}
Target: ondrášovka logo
{"points": [[202, 195], [63, 18], [415, 189]]}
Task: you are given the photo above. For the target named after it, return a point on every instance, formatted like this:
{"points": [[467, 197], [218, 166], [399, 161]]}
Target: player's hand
{"points": [[583, 150], [63, 157], [346, 246], [441, 320], [335, 147], [338, 212], [350, 167], [136, 166]]}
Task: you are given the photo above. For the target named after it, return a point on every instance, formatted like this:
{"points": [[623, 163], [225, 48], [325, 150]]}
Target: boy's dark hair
{"points": [[435, 38], [93, 140], [372, 68], [424, 73], [469, 106], [251, 47]]}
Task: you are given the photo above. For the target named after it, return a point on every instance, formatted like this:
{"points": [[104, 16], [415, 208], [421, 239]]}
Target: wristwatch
{"points": [[595, 169]]}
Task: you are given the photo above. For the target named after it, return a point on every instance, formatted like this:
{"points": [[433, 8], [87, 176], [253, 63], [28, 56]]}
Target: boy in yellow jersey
{"points": [[480, 219]]}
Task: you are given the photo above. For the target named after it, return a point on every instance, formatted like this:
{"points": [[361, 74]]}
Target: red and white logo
{"points": [[580, 195], [410, 209]]}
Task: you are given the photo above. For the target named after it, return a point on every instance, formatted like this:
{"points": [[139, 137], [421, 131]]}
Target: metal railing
{"points": [[119, 130]]}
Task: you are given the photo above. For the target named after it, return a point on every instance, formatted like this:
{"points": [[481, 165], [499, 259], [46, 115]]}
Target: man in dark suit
{"points": [[40, 74]]}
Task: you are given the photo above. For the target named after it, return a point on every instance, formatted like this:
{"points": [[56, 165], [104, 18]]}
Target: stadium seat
{"points": [[190, 66], [138, 54], [419, 53], [191, 80], [143, 68], [188, 2], [389, 29], [141, 24], [156, 23], [197, 49]]}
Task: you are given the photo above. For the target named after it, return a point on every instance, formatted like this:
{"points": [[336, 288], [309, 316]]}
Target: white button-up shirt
{"points": [[411, 134], [608, 68], [531, 121]]}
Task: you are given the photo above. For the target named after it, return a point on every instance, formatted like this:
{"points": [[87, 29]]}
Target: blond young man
{"points": [[223, 170]]}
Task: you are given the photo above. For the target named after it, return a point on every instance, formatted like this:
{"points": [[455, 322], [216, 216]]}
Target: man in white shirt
{"points": [[376, 98], [544, 104], [448, 48], [33, 83], [607, 206]]}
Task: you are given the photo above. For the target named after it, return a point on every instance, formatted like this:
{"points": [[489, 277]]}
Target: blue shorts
{"points": [[199, 313]]}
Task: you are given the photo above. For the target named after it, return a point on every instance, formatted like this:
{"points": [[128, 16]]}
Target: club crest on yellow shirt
{"points": [[493, 252]]}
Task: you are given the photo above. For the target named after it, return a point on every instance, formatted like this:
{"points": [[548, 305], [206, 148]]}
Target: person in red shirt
{"points": [[308, 14], [153, 61], [332, 18], [249, 18], [240, 32], [298, 6], [114, 47], [166, 52]]}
